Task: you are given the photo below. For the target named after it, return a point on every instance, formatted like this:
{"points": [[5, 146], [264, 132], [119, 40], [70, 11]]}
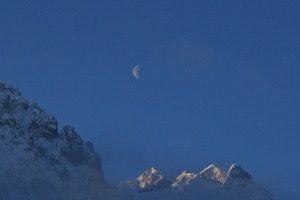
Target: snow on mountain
{"points": [[239, 180], [212, 183], [150, 180], [237, 175], [39, 162], [184, 179], [153, 180], [209, 174], [214, 173]]}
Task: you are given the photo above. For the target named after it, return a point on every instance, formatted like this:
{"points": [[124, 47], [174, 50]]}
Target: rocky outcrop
{"points": [[152, 180], [212, 183], [38, 162], [237, 175], [35, 159]]}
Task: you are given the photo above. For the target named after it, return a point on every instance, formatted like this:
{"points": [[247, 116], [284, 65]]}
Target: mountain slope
{"points": [[212, 183], [39, 163]]}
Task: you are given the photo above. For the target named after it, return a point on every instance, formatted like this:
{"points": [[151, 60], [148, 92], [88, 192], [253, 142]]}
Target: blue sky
{"points": [[219, 81]]}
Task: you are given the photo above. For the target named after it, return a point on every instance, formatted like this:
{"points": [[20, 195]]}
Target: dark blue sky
{"points": [[219, 81]]}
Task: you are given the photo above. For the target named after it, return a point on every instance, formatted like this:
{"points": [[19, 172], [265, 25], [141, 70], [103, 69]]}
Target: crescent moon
{"points": [[135, 71]]}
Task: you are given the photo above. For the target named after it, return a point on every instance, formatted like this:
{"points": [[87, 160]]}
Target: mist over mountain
{"points": [[37, 161]]}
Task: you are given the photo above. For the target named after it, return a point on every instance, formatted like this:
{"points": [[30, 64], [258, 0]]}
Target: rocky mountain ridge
{"points": [[36, 158], [39, 162], [211, 183]]}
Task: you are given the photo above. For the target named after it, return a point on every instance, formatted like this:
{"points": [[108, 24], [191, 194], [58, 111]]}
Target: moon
{"points": [[135, 71]]}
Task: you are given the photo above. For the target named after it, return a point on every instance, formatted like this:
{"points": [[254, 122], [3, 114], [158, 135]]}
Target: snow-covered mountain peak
{"points": [[149, 181], [213, 173], [186, 175], [152, 172], [149, 177], [184, 179], [12, 104], [152, 179], [237, 174], [16, 112], [11, 96], [69, 134], [38, 162], [35, 158]]}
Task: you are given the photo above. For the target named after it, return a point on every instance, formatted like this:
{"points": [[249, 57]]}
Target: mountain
{"points": [[212, 183], [149, 181], [39, 162], [214, 173]]}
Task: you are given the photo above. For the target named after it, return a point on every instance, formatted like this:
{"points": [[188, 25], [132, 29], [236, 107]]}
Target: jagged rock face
{"points": [[236, 174], [211, 174], [212, 183], [184, 180], [35, 159], [37, 162], [152, 180], [214, 173], [149, 181]]}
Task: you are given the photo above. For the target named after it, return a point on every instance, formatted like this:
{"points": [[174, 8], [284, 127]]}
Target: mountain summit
{"points": [[213, 173], [36, 159], [212, 183], [39, 162]]}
